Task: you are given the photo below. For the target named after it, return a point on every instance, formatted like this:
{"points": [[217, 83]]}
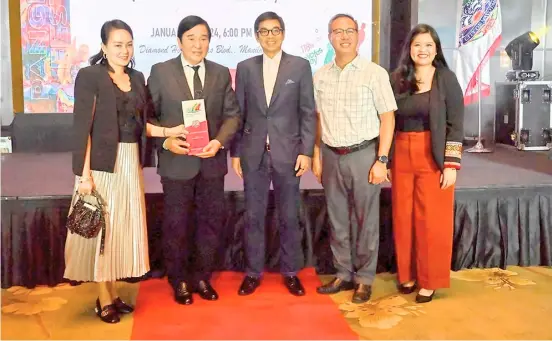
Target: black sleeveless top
{"points": [[128, 117], [413, 113]]}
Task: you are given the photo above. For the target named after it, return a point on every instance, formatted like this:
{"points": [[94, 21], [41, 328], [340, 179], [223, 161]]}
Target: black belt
{"points": [[351, 149]]}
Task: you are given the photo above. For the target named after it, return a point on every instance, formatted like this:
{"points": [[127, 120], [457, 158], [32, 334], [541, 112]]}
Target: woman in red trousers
{"points": [[426, 157]]}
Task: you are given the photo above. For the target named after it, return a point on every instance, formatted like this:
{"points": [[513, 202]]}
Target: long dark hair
{"points": [[106, 29], [404, 78]]}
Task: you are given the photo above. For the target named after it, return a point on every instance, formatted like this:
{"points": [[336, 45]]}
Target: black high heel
{"points": [[108, 313], [122, 307], [406, 290], [424, 299]]}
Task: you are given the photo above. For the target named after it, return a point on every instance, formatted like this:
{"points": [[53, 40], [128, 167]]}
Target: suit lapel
{"points": [[180, 77], [210, 79], [280, 78], [259, 77]]}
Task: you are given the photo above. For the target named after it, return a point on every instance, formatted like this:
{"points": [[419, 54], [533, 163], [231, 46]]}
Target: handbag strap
{"points": [[96, 195]]}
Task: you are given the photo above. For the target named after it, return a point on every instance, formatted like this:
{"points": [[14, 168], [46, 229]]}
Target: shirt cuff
{"points": [[453, 165]]}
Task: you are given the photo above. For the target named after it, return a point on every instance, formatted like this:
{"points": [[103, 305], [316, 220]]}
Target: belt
{"points": [[351, 149]]}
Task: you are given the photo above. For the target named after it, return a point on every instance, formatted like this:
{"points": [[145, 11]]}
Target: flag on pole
{"points": [[479, 35]]}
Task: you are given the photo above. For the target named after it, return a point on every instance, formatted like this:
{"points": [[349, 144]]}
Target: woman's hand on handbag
{"points": [[86, 185]]}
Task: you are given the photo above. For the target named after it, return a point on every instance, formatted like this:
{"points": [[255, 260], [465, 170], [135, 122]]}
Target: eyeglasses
{"points": [[275, 31], [349, 31]]}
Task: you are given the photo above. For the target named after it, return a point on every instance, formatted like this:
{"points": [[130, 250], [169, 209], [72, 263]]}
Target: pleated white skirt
{"points": [[126, 244]]}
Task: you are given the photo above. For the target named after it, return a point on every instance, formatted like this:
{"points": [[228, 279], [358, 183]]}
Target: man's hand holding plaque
{"points": [[210, 149], [177, 145]]}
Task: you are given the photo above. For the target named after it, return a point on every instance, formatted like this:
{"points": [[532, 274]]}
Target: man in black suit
{"points": [[193, 186], [275, 93]]}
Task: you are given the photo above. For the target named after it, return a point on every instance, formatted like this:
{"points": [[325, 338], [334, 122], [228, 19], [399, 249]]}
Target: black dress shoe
{"points": [[122, 307], [334, 286], [249, 285], [182, 294], [424, 299], [108, 313], [406, 289], [362, 293], [294, 286], [206, 291]]}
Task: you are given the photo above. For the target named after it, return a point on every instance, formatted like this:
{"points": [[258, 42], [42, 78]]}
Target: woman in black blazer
{"points": [[427, 154], [110, 127]]}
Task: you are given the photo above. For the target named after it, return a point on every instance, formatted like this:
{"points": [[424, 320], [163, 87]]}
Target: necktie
{"points": [[198, 87]]}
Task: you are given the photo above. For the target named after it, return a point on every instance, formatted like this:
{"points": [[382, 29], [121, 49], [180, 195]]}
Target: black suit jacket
{"points": [[446, 118], [289, 119], [168, 88], [93, 84]]}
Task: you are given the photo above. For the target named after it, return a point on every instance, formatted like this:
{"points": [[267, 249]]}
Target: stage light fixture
{"points": [[520, 51]]}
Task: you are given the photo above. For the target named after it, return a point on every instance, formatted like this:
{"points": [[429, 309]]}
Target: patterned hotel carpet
{"points": [[481, 304]]}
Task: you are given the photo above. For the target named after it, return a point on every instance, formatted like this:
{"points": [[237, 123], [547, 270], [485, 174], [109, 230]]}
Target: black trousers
{"points": [[286, 194], [193, 220]]}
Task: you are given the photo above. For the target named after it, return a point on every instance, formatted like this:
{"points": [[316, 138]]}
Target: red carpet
{"points": [[270, 313]]}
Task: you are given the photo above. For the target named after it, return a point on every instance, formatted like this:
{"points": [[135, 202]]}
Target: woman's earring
{"points": [[105, 56]]}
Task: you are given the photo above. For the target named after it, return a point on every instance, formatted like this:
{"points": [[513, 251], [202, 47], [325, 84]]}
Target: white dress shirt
{"points": [[189, 72], [270, 72]]}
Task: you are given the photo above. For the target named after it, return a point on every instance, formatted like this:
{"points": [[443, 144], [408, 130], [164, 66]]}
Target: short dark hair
{"points": [[190, 22], [268, 16], [341, 15]]}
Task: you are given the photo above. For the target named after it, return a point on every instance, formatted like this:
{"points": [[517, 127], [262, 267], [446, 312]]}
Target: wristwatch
{"points": [[383, 159]]}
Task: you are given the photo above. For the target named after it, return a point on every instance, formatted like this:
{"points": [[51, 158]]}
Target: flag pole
{"points": [[479, 148]]}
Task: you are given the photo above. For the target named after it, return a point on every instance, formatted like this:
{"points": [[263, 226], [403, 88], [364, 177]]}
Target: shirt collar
{"points": [[356, 63], [186, 63], [276, 59]]}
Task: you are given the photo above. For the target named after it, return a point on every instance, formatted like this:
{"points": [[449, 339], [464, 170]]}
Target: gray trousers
{"points": [[353, 209]]}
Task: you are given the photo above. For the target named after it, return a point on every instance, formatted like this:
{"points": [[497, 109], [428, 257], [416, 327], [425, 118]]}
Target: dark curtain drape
{"points": [[493, 228]]}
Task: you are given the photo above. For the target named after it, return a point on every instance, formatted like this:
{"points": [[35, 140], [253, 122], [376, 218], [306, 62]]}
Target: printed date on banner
{"points": [[232, 32]]}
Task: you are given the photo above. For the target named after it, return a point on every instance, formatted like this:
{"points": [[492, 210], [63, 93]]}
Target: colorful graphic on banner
{"points": [[51, 57], [59, 36]]}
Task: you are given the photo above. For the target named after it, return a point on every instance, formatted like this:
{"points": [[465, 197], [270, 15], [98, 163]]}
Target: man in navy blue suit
{"points": [[276, 143]]}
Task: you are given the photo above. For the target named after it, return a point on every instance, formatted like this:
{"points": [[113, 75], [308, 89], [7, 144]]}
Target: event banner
{"points": [[58, 36]]}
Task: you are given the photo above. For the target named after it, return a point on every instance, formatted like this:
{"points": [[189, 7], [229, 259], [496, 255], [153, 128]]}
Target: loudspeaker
{"points": [[42, 133]]}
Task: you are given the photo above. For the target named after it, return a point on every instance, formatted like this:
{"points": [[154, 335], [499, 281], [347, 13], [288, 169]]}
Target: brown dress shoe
{"points": [[334, 286], [362, 293]]}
